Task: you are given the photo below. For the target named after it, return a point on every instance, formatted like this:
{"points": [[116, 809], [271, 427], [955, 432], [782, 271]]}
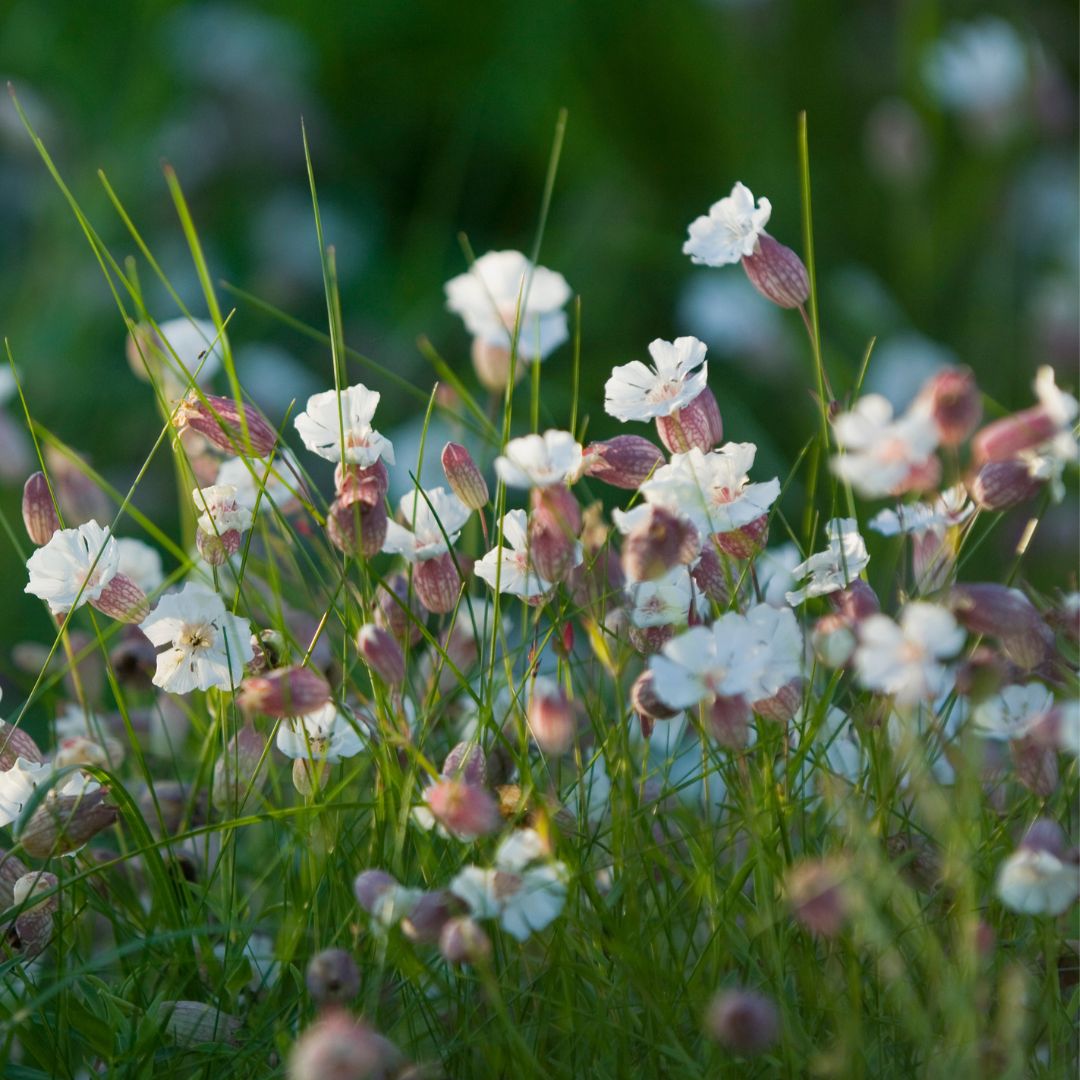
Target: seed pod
{"points": [[698, 425], [218, 420], [190, 1023], [16, 743], [235, 772], [953, 400], [999, 485], [463, 941], [284, 692], [356, 527], [746, 541], [464, 477], [743, 1021], [122, 600], [332, 977], [63, 823], [38, 510], [437, 583], [728, 720], [625, 461], [777, 273], [381, 653], [663, 540]]}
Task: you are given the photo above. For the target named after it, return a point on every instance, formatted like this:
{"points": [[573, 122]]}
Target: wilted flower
{"points": [[332, 421], [434, 518], [835, 568], [539, 460], [730, 231], [73, 567], [677, 376]]}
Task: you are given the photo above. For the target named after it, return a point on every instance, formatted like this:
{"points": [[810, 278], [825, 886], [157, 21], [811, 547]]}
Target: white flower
{"points": [[67, 571], [510, 568], [775, 575], [324, 431], [17, 784], [664, 601], [835, 568], [712, 490], [1037, 882], [328, 734], [777, 649], [1012, 713], [979, 66], [905, 660], [522, 892], [539, 460], [1047, 461], [1061, 407], [189, 340], [140, 562], [238, 473], [679, 373], [952, 507], [429, 516], [880, 452], [730, 231], [488, 298], [208, 646], [221, 513]]}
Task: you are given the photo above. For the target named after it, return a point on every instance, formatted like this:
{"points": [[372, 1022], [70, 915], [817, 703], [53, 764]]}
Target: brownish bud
{"points": [[464, 477], [356, 483], [551, 718], [728, 720], [783, 705], [218, 420], [285, 692], [381, 652], [710, 576], [855, 603], [356, 527], [463, 941], [236, 772], [63, 823], [698, 425], [746, 541], [1036, 765], [662, 540], [398, 610], [16, 743], [954, 402], [650, 639], [1008, 615], [645, 701], [437, 583], [777, 273], [999, 485], [625, 461], [38, 510], [1003, 439], [216, 548]]}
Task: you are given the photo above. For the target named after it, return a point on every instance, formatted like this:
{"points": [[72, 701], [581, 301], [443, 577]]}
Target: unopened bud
{"points": [[728, 720], [815, 893], [356, 527], [1007, 614], [308, 776], [371, 886], [468, 762], [463, 809], [79, 497], [437, 583], [954, 402], [381, 653], [33, 928], [63, 823], [710, 576], [463, 941], [856, 602], [777, 273], [464, 477], [398, 610], [1003, 439], [999, 485], [644, 698], [833, 640], [743, 1021], [625, 461], [429, 915], [16, 743], [552, 551], [782, 705], [217, 548], [122, 600], [38, 510], [746, 541], [698, 425], [492, 365], [551, 718], [286, 692], [663, 540], [236, 772], [332, 977], [219, 421], [190, 1023]]}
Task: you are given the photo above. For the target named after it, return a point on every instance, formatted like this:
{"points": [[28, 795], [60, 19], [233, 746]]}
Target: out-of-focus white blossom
{"points": [[1012, 713], [539, 460], [835, 568], [74, 567]]}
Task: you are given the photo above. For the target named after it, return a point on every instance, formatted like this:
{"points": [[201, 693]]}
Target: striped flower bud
{"points": [[551, 718], [551, 551], [33, 929], [710, 577], [38, 510], [381, 652], [464, 477], [953, 400], [332, 977], [645, 701], [777, 273], [999, 485], [1008, 615], [122, 600], [291, 691], [856, 602], [16, 743], [190, 1023], [216, 548], [356, 527], [661, 541], [236, 772], [398, 610], [782, 705], [698, 425], [742, 1021], [625, 461], [354, 483], [437, 583], [464, 810], [468, 762], [746, 541], [728, 720], [63, 823], [219, 421], [1003, 439], [463, 941]]}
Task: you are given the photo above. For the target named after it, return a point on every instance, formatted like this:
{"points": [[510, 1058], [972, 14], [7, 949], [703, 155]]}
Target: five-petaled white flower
{"points": [[428, 516], [524, 890], [74, 567], [678, 374], [503, 291], [221, 512], [730, 230], [952, 507], [905, 659], [664, 601], [509, 568], [834, 568], [1012, 713], [880, 453], [1034, 881], [324, 431], [540, 460], [207, 645], [328, 734], [712, 490]]}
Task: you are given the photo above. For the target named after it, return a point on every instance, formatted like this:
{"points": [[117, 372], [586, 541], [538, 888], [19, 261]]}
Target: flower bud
{"points": [[650, 639], [933, 558], [216, 548], [777, 273], [356, 483], [190, 1023], [236, 771], [815, 893], [464, 477], [398, 610], [782, 705], [662, 540], [370, 886], [855, 603], [356, 527], [746, 541], [429, 915], [625, 461], [551, 718], [381, 653], [337, 1046], [492, 365], [332, 977], [33, 927], [122, 600], [16, 743], [437, 583], [38, 510], [999, 485], [953, 400], [1008, 615], [728, 720], [552, 550], [463, 941], [1003, 439], [219, 421], [744, 1022], [698, 425], [466, 762], [710, 577], [285, 692], [463, 809], [645, 700], [63, 823]]}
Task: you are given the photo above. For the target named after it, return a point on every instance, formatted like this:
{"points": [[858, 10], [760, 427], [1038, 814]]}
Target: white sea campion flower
{"points": [[778, 649], [713, 491], [524, 889], [488, 298], [540, 460], [905, 659], [1040, 877], [17, 784], [324, 431], [74, 567], [952, 507], [775, 575], [328, 734], [730, 230], [220, 511], [834, 568], [881, 453], [977, 66], [1047, 461], [509, 568], [664, 601], [1013, 713], [427, 517], [678, 374], [207, 645], [140, 562]]}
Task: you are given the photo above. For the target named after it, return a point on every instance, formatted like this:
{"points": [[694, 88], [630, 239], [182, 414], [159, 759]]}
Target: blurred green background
{"points": [[943, 143]]}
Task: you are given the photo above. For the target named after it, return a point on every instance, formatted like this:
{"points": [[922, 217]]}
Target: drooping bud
{"points": [[285, 692], [953, 400], [857, 602], [782, 705], [777, 273], [1008, 615], [815, 893], [463, 941], [743, 1021], [356, 483], [236, 772], [217, 548], [190, 1023], [710, 577], [356, 527], [63, 823], [337, 1046], [662, 540], [728, 720], [467, 762], [332, 977], [464, 477], [1003, 439], [999, 485], [38, 510], [645, 700], [122, 600], [465, 810], [429, 915], [219, 421], [437, 583], [625, 461], [698, 425], [551, 718], [398, 610], [746, 541], [381, 653], [16, 743]]}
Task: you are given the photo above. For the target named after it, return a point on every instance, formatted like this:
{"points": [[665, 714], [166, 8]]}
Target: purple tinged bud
{"points": [[381, 653], [953, 400], [219, 421], [38, 510], [1008, 615], [815, 893], [463, 941], [332, 977], [427, 917], [1004, 439], [399, 611], [63, 823], [216, 548], [464, 477], [551, 719], [465, 810], [1045, 835], [122, 600], [728, 720], [857, 602], [551, 550], [468, 762], [16, 743], [777, 273], [356, 527], [355, 483], [437, 583], [999, 485], [370, 886], [662, 540], [645, 700], [698, 425], [625, 461], [710, 577], [1036, 765], [782, 705], [742, 1021], [746, 541], [286, 692]]}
